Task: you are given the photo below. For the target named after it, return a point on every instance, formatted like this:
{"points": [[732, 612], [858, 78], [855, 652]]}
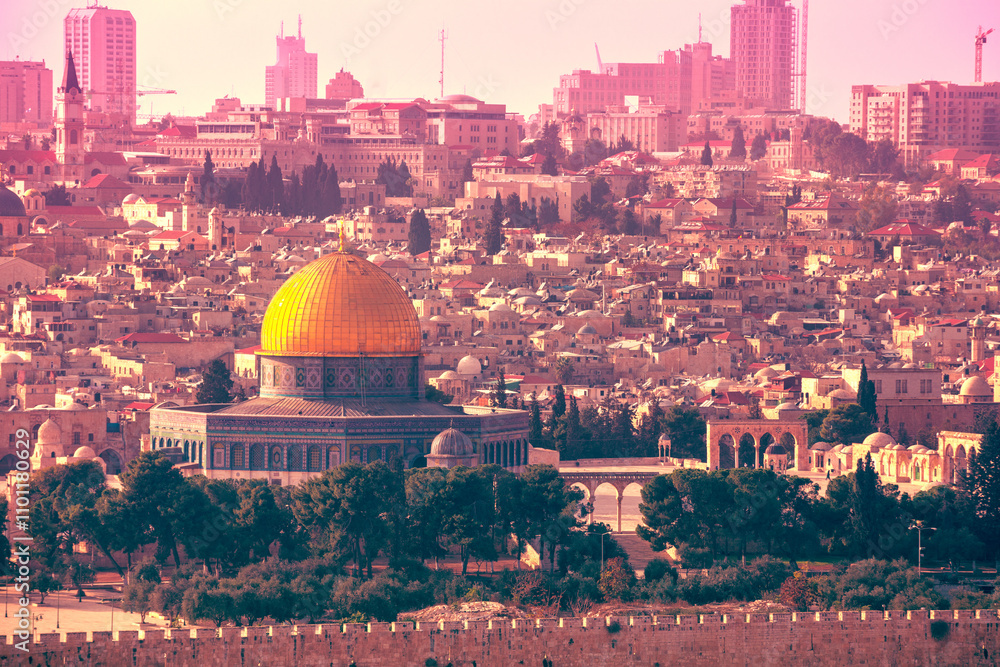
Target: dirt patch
{"points": [[464, 611]]}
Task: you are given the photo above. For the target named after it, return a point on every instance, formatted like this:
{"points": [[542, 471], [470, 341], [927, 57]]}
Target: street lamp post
{"points": [[919, 525], [603, 535]]}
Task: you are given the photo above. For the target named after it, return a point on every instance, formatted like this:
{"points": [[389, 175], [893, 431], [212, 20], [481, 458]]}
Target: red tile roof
{"points": [[108, 182], [904, 228]]}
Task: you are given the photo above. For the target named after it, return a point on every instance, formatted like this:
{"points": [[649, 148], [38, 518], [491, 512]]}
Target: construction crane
{"points": [[980, 40], [600, 65], [154, 91]]}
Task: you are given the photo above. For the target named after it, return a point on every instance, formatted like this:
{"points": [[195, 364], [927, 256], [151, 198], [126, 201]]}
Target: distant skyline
{"points": [[205, 49]]}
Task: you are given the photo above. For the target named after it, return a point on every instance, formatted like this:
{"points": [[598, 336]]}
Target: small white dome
{"points": [[85, 452], [49, 433], [11, 358], [469, 365], [879, 439], [975, 386]]}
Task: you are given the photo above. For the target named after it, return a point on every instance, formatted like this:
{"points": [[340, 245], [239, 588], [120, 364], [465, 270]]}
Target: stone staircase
{"points": [[639, 551]]}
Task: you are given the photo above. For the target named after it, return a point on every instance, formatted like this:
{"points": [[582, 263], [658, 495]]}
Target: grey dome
{"points": [[11, 205], [452, 442], [775, 449]]}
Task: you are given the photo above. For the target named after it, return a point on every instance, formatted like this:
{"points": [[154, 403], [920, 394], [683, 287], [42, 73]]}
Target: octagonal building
{"points": [[341, 379]]}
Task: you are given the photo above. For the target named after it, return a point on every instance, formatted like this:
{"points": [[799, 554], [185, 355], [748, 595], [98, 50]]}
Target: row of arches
{"points": [[508, 454], [749, 452], [111, 458]]}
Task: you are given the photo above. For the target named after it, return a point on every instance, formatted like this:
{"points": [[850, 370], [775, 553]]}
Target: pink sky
{"points": [[509, 52]]}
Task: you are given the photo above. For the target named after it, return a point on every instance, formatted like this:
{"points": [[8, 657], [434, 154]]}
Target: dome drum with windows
{"points": [[340, 327]]}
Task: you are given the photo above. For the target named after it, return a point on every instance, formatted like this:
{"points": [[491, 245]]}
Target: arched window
{"points": [[73, 138], [315, 461], [294, 457], [257, 460], [236, 461]]}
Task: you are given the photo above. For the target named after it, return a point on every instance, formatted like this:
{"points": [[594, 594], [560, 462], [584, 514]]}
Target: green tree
{"points": [[617, 580], [216, 385], [627, 223], [494, 230], [549, 506], [846, 424], [814, 421], [739, 149], [582, 209], [706, 154], [866, 394], [161, 501], [686, 507], [498, 397], [686, 430], [733, 219], [983, 486], [137, 595], [56, 273], [878, 207], [565, 369], [420, 233], [535, 422], [470, 513], [65, 511], [426, 497], [548, 212], [208, 185], [345, 511], [57, 196], [432, 393], [758, 148], [962, 205], [550, 167], [753, 408]]}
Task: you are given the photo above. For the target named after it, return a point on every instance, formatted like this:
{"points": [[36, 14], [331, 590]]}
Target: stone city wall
{"points": [[824, 638]]}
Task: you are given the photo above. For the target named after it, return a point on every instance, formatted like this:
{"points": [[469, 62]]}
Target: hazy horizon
{"points": [[206, 49]]}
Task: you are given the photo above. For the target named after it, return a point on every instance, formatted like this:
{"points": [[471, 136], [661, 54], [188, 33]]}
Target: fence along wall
{"points": [[825, 638]]}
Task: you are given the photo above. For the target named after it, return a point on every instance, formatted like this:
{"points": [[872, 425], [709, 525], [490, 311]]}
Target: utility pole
{"points": [[442, 36]]}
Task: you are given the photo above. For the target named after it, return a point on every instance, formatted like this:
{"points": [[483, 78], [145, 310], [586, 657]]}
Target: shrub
{"points": [[658, 568], [617, 580], [939, 629], [614, 627]]}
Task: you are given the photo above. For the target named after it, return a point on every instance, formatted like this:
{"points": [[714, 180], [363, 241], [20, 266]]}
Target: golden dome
{"points": [[340, 306]]}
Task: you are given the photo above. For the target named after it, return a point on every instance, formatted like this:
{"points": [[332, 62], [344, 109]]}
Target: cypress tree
{"points": [[706, 154], [494, 230]]}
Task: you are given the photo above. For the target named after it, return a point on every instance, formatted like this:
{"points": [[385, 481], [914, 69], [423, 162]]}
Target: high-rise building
{"points": [[681, 80], [103, 44], [763, 46], [923, 118], [344, 87], [295, 73], [25, 92]]}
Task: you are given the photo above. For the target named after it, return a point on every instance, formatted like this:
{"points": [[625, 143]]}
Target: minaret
{"points": [[215, 229], [70, 124], [189, 205], [978, 330]]}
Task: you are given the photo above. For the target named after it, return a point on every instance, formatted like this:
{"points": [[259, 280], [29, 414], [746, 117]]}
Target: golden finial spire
{"points": [[343, 237]]}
